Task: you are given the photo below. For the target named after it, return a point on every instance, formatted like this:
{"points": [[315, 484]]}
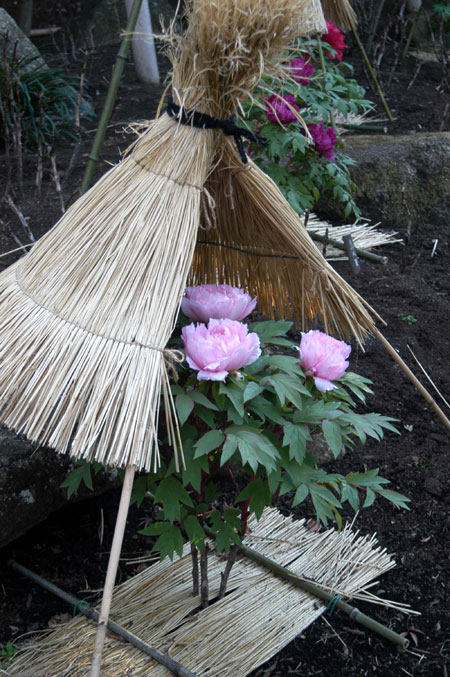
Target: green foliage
{"points": [[40, 100], [409, 319], [7, 652], [82, 473], [440, 17], [257, 428], [301, 173]]}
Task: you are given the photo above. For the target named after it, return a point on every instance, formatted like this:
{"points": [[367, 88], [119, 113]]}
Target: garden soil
{"points": [[412, 294]]}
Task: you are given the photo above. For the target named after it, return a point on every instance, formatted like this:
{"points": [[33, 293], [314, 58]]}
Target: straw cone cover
{"points": [[86, 314]]}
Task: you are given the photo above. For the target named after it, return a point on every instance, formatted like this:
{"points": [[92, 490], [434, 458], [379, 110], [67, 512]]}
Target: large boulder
{"points": [[30, 479], [400, 179], [12, 39]]}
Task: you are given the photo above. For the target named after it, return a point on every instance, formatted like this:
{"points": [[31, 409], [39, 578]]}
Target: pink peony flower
{"points": [[324, 358], [220, 347], [277, 109], [336, 39], [324, 139], [209, 300], [301, 70]]}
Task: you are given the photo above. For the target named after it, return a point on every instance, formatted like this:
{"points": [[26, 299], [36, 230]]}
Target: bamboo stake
{"points": [[86, 609], [372, 74], [112, 570], [111, 96], [317, 591], [414, 380], [340, 245]]}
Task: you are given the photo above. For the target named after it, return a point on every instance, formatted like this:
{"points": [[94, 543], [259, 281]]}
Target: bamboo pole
{"points": [[111, 96], [86, 609], [372, 74], [414, 380], [112, 569], [317, 591]]}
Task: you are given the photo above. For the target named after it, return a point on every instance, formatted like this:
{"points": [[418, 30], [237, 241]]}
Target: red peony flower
{"points": [[336, 39], [324, 139], [278, 110], [301, 70]]}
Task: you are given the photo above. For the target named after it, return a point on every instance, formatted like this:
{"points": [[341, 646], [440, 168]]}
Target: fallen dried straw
{"points": [[259, 615], [86, 314]]}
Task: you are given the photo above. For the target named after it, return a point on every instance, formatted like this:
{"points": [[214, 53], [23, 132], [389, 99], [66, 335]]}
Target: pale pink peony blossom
{"points": [[324, 358], [221, 347], [211, 301]]}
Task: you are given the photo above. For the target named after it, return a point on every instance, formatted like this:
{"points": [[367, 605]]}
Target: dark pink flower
{"points": [[324, 139], [278, 110], [301, 70], [324, 358], [336, 39]]}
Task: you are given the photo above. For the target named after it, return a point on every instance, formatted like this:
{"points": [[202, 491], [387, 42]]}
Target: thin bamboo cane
{"points": [[111, 96], [414, 380], [372, 73], [316, 590], [376, 258], [86, 609], [112, 570]]}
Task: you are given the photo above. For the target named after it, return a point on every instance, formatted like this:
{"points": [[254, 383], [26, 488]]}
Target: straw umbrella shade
{"points": [[87, 313]]}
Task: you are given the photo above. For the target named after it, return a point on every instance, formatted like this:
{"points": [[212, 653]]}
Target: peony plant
{"points": [[248, 417], [306, 161], [250, 403]]}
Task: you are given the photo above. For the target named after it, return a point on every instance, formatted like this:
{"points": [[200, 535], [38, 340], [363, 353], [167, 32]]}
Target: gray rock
{"points": [[11, 34], [399, 178], [30, 479]]}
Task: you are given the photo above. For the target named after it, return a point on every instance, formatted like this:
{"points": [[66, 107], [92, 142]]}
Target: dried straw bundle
{"points": [[340, 12], [259, 615], [86, 314], [254, 239]]}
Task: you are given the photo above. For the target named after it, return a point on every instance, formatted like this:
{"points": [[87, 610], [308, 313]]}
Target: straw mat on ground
{"points": [[259, 615], [364, 235]]}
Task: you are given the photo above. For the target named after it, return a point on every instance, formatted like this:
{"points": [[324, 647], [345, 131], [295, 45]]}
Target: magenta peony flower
{"points": [[336, 39], [220, 347], [324, 139], [324, 358], [209, 300], [301, 70], [277, 109]]}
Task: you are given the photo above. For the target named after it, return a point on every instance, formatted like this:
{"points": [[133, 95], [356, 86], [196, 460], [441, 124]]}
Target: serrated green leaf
{"points": [[235, 394], [270, 329], [252, 390], [226, 525], [199, 398], [296, 436], [333, 436], [156, 529], [300, 495], [74, 479], [257, 492], [208, 442], [192, 472], [184, 405], [169, 543], [194, 531], [288, 388], [171, 494], [254, 447], [370, 497], [139, 490]]}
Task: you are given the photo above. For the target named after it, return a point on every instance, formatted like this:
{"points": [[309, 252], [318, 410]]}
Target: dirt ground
{"points": [[71, 547]]}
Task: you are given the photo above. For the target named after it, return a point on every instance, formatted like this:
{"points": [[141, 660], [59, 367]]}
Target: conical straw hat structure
{"points": [[340, 12], [86, 314]]}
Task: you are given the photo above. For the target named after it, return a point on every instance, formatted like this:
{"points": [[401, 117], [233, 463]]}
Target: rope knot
{"points": [[204, 121]]}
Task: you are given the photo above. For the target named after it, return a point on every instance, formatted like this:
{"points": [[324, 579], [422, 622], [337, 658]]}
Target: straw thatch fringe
{"points": [[256, 240], [340, 12], [259, 615], [312, 20], [83, 325]]}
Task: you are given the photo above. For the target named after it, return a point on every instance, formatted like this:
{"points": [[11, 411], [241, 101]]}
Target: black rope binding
{"points": [[204, 121]]}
